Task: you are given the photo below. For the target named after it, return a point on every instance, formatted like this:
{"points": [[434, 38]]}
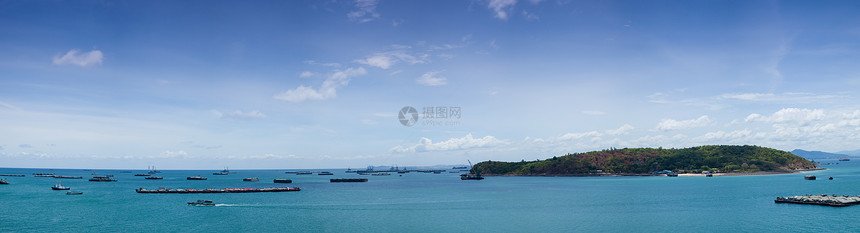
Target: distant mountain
{"points": [[645, 160], [850, 152], [818, 154]]}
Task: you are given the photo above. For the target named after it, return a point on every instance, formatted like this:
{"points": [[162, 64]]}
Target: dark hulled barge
{"points": [[210, 190], [102, 179], [823, 199], [348, 180]]}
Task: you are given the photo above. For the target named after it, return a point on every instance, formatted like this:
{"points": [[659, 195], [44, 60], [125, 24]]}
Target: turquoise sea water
{"points": [[420, 202]]}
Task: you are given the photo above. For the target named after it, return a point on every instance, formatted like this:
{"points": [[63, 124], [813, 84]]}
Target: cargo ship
{"points": [[143, 174], [195, 178], [251, 179], [210, 190], [287, 181], [67, 177], [154, 178]]}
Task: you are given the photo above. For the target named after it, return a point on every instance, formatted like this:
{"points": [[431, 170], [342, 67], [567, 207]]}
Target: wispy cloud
{"points": [[670, 124], [25, 146], [432, 79], [365, 11], [74, 57], [328, 89], [502, 8], [239, 115], [329, 64], [385, 60], [467, 142], [306, 74], [800, 115]]}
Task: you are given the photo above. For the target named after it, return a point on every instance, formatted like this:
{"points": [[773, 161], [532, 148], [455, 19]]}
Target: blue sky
{"points": [[319, 84]]}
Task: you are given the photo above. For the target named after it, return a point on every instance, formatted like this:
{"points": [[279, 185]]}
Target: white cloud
{"points": [[387, 59], [786, 97], [789, 115], [378, 60], [168, 154], [431, 79], [328, 89], [723, 137], [624, 129], [306, 74], [239, 115], [669, 124], [467, 142], [365, 11], [74, 57], [502, 7]]}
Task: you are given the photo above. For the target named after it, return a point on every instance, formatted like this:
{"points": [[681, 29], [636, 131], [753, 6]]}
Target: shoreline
{"points": [[758, 173]]}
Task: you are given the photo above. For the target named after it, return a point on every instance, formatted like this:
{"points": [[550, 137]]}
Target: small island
{"points": [[700, 160]]}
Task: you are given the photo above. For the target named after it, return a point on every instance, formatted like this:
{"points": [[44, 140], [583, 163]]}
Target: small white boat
{"points": [[202, 203]]}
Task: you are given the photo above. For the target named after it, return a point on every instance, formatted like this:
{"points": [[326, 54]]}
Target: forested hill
{"points": [[646, 160]]}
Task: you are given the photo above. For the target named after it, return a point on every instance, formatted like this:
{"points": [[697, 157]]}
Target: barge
{"points": [[251, 179], [348, 180], [287, 181], [16, 175], [102, 179], [823, 199], [154, 178], [211, 190], [67, 177]]}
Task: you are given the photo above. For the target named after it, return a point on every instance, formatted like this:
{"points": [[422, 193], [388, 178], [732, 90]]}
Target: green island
{"points": [[724, 159]]}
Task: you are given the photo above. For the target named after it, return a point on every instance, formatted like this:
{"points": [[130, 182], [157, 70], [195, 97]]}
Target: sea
{"points": [[427, 202]]}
